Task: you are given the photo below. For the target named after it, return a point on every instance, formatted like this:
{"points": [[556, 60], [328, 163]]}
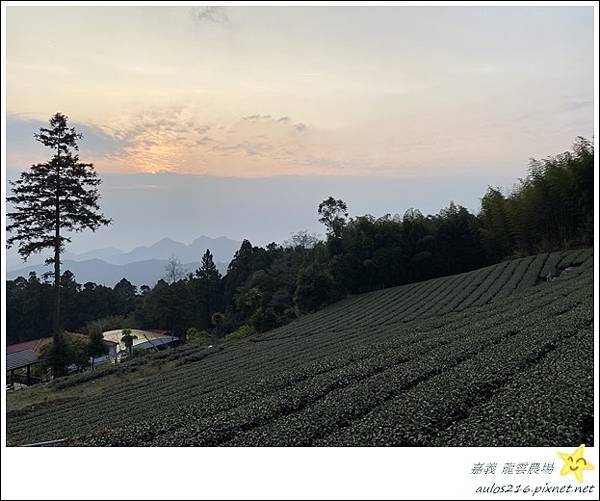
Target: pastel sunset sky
{"points": [[248, 91], [396, 93]]}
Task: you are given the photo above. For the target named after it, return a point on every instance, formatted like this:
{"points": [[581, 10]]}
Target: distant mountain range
{"points": [[144, 265], [222, 249]]}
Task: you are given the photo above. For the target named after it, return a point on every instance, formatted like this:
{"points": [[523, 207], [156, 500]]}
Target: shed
{"points": [[23, 359]]}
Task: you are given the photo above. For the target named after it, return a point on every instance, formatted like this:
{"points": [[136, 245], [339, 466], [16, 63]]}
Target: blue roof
{"points": [[159, 341], [20, 359], [153, 343]]}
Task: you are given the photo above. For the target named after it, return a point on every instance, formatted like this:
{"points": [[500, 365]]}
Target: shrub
{"points": [[316, 289], [194, 335], [71, 350], [111, 323], [241, 332], [382, 368]]}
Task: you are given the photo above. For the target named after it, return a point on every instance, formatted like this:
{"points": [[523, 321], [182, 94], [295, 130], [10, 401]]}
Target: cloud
{"points": [[213, 14], [205, 141], [578, 104], [248, 148], [273, 137], [174, 139], [257, 118], [267, 118], [202, 129], [158, 126], [300, 127], [137, 187], [97, 142]]}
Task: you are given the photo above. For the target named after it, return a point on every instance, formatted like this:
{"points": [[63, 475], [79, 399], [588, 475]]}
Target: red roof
{"points": [[36, 345]]}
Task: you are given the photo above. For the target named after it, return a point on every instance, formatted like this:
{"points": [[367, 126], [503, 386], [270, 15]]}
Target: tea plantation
{"points": [[494, 357]]}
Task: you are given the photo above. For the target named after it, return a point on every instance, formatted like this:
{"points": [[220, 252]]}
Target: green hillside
{"points": [[493, 357]]}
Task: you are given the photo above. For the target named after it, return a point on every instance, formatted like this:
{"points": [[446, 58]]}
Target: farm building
{"points": [[144, 339], [35, 345], [21, 357], [18, 367]]}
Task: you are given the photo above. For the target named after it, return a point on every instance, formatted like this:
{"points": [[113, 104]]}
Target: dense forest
{"points": [[264, 287]]}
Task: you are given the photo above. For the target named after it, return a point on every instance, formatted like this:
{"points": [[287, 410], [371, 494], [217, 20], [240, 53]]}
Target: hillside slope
{"points": [[493, 357]]}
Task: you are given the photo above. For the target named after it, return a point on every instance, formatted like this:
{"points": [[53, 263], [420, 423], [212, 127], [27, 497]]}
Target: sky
{"points": [[265, 111]]}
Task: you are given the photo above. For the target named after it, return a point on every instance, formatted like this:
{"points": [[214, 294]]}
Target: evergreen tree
{"points": [[217, 320], [246, 261], [125, 294], [53, 197], [208, 268], [127, 339], [207, 289], [96, 346]]}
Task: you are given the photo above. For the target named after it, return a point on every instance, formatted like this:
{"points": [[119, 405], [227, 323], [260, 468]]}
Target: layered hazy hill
{"points": [[144, 265], [222, 249]]}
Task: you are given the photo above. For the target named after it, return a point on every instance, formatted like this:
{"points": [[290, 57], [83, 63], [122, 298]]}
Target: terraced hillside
{"points": [[494, 357]]}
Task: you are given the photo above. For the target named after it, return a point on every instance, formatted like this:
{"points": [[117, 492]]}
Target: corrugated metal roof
{"points": [[20, 359], [156, 342]]}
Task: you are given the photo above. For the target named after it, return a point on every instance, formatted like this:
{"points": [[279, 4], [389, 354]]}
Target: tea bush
{"points": [[481, 358]]}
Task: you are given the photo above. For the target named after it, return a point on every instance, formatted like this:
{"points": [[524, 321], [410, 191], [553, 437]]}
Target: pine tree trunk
{"points": [[56, 334], [56, 329]]}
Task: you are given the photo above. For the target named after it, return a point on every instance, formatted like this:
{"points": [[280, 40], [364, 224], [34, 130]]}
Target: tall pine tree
{"points": [[207, 285], [51, 198]]}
